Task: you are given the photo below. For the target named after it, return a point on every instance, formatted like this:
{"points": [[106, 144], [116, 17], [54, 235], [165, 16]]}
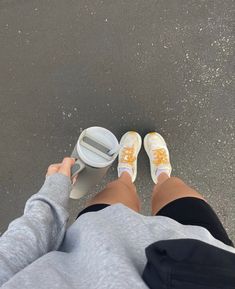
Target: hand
{"points": [[62, 168]]}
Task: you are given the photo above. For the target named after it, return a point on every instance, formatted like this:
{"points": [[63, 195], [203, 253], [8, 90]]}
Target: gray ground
{"points": [[139, 65]]}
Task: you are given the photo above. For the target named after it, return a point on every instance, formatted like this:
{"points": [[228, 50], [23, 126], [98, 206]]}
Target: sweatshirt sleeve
{"points": [[41, 228]]}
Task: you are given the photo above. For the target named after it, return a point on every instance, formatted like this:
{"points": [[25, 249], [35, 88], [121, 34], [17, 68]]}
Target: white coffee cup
{"points": [[90, 167]]}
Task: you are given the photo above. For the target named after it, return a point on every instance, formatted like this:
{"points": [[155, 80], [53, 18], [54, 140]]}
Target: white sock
{"points": [[162, 170], [124, 169]]}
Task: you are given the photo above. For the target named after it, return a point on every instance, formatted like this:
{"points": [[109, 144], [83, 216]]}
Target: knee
{"points": [[172, 182], [112, 184], [175, 181], [120, 184], [116, 184]]}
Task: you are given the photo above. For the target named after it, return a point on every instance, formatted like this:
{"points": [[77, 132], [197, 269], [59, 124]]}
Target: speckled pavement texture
{"points": [[125, 65]]}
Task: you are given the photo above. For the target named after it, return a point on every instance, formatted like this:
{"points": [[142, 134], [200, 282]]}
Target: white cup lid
{"points": [[100, 134]]}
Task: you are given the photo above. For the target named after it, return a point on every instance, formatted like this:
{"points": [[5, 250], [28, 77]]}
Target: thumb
{"points": [[65, 167]]}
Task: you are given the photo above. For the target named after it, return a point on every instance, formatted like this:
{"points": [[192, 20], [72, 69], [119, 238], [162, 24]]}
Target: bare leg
{"points": [[169, 189], [122, 191]]}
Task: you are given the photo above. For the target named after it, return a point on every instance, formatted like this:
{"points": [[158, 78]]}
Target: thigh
{"points": [[121, 191], [194, 211], [170, 190]]}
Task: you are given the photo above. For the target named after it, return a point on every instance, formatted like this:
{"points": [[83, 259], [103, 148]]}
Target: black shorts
{"points": [[187, 211]]}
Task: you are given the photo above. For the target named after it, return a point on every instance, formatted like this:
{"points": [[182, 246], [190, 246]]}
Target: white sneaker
{"points": [[130, 146], [158, 154]]}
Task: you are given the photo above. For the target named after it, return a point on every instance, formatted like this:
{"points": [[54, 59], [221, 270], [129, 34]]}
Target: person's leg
{"points": [[121, 191], [174, 199], [169, 189]]}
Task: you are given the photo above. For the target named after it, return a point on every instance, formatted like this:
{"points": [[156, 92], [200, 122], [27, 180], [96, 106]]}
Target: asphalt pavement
{"points": [[163, 66]]}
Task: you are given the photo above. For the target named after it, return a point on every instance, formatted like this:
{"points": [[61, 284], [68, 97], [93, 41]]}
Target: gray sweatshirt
{"points": [[104, 249]]}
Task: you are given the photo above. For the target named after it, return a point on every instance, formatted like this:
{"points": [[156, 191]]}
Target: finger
{"points": [[66, 165], [74, 179], [54, 168]]}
